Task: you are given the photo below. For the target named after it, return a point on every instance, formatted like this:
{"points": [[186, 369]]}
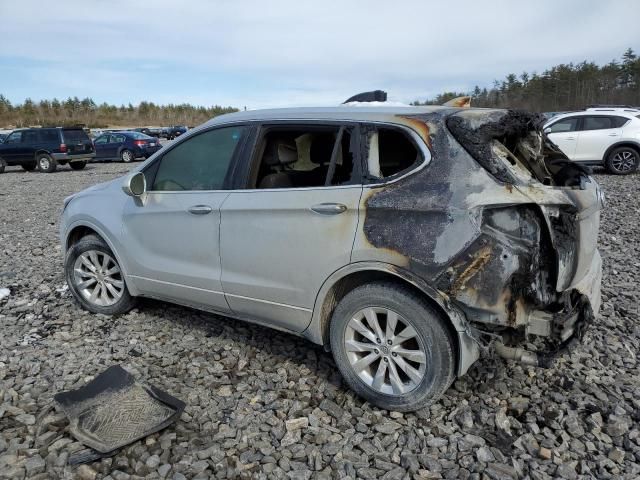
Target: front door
{"points": [[173, 234], [564, 133], [13, 149], [286, 234]]}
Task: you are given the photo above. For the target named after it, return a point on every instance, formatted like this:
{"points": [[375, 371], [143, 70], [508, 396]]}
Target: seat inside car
{"points": [[278, 154]]}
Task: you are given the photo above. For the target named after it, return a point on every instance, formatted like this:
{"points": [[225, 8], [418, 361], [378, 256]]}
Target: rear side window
{"points": [[565, 125], [199, 163], [617, 122], [49, 136], [390, 151], [72, 136], [118, 138], [30, 136]]}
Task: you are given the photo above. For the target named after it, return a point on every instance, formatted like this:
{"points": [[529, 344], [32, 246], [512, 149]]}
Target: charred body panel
{"points": [[497, 228]]}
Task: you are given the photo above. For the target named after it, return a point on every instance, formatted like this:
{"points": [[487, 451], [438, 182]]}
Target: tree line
{"points": [[74, 111], [561, 88]]}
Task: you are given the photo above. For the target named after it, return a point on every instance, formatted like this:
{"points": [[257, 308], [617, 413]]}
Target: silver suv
{"points": [[406, 240]]}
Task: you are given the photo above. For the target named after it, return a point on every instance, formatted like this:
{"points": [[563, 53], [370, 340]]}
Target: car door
{"points": [[101, 145], [13, 150], [172, 236], [285, 233], [116, 143], [597, 134], [564, 133]]}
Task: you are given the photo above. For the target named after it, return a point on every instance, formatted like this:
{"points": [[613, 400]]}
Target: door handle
{"points": [[571, 138], [613, 134], [329, 208], [200, 209]]}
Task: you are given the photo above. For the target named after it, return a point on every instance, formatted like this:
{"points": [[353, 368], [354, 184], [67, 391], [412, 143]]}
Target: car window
{"points": [[102, 139], [30, 136], [74, 135], [118, 138], [617, 122], [600, 122], [15, 137], [569, 124], [301, 157], [390, 151], [200, 162], [49, 136]]}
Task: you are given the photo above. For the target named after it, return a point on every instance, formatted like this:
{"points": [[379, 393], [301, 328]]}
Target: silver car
{"points": [[406, 240]]}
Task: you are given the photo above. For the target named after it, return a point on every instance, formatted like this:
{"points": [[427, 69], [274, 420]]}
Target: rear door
{"points": [[564, 133], [77, 141], [288, 229], [116, 143], [173, 236], [597, 134]]}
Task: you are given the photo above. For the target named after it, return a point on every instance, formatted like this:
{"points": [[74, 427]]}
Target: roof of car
{"points": [[342, 112], [590, 113]]}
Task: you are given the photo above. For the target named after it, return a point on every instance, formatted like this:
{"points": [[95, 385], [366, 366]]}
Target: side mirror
{"points": [[547, 130], [135, 184]]}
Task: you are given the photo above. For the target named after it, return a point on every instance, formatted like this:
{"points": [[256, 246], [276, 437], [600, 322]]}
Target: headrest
{"points": [[282, 152]]}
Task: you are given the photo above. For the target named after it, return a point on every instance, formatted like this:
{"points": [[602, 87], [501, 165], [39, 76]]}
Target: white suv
{"points": [[603, 137]]}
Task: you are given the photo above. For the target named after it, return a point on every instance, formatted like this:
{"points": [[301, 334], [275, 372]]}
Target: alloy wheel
{"points": [[127, 156], [624, 161], [98, 278], [385, 351], [44, 163]]}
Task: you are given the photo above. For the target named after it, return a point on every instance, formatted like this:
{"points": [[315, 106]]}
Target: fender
{"points": [[621, 143], [468, 348], [109, 241]]}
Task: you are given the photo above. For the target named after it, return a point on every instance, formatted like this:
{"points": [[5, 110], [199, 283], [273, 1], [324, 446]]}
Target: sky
{"points": [[294, 52]]}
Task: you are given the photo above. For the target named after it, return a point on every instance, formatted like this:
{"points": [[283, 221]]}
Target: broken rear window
{"points": [[390, 151]]}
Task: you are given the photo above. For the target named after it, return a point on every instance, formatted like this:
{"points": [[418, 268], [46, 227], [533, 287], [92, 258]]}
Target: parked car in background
{"points": [[154, 131], [46, 148], [415, 238], [3, 136], [176, 131], [125, 146], [144, 130], [600, 137]]}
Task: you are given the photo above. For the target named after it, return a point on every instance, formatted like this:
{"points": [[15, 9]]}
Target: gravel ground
{"points": [[263, 404]]}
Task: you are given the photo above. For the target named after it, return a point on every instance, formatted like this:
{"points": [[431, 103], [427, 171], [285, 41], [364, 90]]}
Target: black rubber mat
{"points": [[114, 410]]}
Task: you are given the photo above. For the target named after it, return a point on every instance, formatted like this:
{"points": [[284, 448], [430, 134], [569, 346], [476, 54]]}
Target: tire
{"points": [[622, 161], [78, 165], [3, 164], [29, 167], [92, 252], [127, 156], [46, 163], [428, 352]]}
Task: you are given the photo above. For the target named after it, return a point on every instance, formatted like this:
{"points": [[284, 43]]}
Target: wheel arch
{"points": [[623, 143], [352, 276], [81, 229], [39, 151]]}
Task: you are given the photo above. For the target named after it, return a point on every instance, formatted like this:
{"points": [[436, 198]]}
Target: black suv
{"points": [[176, 131], [46, 148]]}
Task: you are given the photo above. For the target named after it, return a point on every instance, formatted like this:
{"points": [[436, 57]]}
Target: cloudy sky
{"points": [[294, 52]]}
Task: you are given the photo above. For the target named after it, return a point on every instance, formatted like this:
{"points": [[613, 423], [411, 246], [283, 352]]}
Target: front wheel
{"points": [[126, 156], [78, 165], [392, 347], [95, 278], [46, 163], [622, 161]]}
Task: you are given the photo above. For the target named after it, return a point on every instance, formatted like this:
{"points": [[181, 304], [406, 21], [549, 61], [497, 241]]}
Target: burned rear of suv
{"points": [[502, 227]]}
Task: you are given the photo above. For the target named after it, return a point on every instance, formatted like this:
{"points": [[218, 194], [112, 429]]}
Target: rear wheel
{"points": [[46, 163], [78, 165], [392, 347], [623, 161], [95, 278], [126, 156]]}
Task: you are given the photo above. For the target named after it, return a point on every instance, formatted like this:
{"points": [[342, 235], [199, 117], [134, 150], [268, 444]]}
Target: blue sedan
{"points": [[125, 146]]}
